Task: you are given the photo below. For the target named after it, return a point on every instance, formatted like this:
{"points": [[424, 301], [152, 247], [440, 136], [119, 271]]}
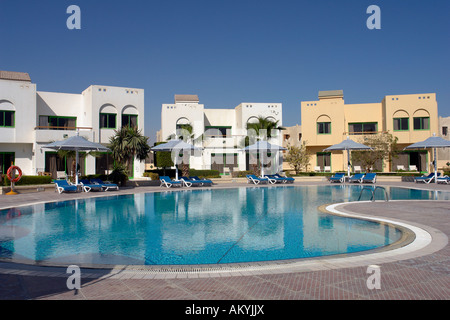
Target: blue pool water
{"points": [[195, 227]]}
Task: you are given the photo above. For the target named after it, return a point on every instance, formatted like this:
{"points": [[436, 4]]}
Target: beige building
{"points": [[291, 136], [328, 121], [443, 154]]}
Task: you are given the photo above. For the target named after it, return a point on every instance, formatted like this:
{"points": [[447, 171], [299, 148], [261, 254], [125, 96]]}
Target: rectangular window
{"points": [[363, 128], [444, 131], [104, 163], [57, 123], [401, 124], [108, 121], [7, 119], [217, 132], [324, 128], [422, 123], [323, 160], [130, 120], [6, 158]]}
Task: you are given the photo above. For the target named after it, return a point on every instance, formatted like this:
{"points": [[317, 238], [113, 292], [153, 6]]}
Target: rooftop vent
{"points": [[333, 94], [17, 76]]}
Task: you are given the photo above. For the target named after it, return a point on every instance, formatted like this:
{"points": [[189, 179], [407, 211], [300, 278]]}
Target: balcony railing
{"points": [[362, 133], [61, 128]]}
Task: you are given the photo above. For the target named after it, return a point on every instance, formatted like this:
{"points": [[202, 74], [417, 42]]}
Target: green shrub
{"points": [[28, 180], [152, 175], [119, 175], [205, 173], [240, 174]]}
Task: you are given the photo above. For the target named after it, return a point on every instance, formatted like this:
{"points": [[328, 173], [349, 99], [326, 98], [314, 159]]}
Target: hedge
{"points": [[28, 180], [205, 173]]}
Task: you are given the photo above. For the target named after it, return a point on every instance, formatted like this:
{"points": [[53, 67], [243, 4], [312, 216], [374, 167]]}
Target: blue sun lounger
{"points": [[356, 178], [286, 179], [256, 180], [274, 179], [338, 177], [105, 185], [202, 181], [426, 179], [189, 182], [63, 186], [444, 179], [370, 177], [88, 186], [167, 182]]}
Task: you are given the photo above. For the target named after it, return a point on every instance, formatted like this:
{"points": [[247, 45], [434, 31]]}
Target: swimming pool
{"points": [[208, 226]]}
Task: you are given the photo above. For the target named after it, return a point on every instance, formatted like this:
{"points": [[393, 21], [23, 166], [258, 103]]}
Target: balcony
{"points": [[46, 134]]}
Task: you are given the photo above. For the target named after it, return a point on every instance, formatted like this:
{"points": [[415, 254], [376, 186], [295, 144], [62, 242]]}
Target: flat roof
{"points": [[331, 94], [16, 76], [186, 98]]}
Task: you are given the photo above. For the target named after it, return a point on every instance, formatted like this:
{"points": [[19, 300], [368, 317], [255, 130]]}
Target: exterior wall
{"points": [[26, 139], [340, 115], [20, 97], [201, 119], [443, 154]]}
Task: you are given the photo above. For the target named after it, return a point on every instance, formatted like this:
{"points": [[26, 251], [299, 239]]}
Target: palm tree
{"points": [[262, 129], [185, 133], [128, 143]]}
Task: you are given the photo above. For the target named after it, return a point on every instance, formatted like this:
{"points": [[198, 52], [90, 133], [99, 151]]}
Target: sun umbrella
{"points": [[263, 146], [76, 143], [348, 145], [431, 143], [177, 146]]}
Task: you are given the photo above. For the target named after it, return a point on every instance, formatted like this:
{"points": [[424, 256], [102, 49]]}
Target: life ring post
{"points": [[11, 175]]}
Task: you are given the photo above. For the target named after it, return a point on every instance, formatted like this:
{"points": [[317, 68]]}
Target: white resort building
{"points": [[219, 132], [30, 119]]}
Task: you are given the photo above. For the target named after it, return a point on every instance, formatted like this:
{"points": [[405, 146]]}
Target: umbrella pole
{"points": [[348, 162], [176, 166], [435, 166], [76, 168]]}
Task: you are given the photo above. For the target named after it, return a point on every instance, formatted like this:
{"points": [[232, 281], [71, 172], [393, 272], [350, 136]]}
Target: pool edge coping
{"points": [[426, 240]]}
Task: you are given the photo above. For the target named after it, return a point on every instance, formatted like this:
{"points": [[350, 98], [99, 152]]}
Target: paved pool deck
{"points": [[417, 271]]}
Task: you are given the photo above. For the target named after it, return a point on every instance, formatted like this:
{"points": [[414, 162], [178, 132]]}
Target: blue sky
{"points": [[231, 51]]}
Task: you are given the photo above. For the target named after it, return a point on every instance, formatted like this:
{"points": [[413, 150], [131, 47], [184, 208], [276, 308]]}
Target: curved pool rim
{"points": [[414, 238]]}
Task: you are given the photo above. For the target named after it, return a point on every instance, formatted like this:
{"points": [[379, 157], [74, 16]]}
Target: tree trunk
{"points": [[185, 170]]}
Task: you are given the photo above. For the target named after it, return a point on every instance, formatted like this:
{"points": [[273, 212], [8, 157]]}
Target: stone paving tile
{"points": [[418, 278]]}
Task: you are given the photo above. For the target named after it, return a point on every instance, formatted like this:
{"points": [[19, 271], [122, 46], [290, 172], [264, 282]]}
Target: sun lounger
{"points": [[256, 180], [87, 186], [370, 178], [63, 186], [444, 179], [202, 181], [274, 179], [358, 177], [169, 183], [426, 179], [188, 182], [105, 185], [286, 179], [338, 177]]}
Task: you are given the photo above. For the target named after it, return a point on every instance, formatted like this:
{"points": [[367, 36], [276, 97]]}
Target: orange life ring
{"points": [[11, 170]]}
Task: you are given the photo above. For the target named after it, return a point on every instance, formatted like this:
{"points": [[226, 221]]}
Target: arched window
{"points": [[130, 116], [108, 117], [401, 120], [7, 114], [421, 120], [323, 124]]}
